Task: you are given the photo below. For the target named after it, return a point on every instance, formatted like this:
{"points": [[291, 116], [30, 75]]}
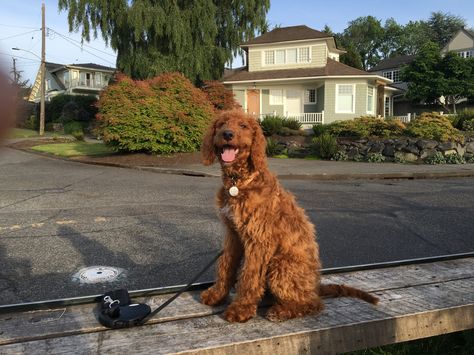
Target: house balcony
{"points": [[88, 85]]}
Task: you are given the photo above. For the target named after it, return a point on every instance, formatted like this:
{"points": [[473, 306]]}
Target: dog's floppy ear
{"points": [[208, 154], [258, 148]]}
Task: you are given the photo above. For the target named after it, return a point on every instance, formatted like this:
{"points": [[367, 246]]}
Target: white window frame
{"points": [[388, 74], [276, 99], [370, 88], [353, 98], [298, 61], [307, 96], [389, 98]]}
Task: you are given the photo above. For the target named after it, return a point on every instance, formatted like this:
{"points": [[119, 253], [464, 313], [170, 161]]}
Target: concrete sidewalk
{"points": [[335, 170]]}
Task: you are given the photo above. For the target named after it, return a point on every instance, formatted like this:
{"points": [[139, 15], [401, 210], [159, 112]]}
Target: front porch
{"points": [[306, 118]]}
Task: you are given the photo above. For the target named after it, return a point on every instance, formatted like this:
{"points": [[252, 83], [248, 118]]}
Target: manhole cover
{"points": [[96, 274]]}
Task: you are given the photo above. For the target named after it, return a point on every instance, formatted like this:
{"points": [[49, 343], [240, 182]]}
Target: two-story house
{"points": [[73, 79], [295, 72]]}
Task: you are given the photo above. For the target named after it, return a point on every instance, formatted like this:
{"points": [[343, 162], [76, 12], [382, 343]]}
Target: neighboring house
{"points": [[391, 69], [74, 79], [462, 43], [295, 72]]}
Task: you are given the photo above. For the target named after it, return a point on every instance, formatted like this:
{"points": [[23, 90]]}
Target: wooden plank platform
{"points": [[416, 301]]}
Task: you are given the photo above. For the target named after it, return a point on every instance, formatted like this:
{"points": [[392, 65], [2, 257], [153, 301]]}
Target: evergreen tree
{"points": [[444, 26], [195, 37]]}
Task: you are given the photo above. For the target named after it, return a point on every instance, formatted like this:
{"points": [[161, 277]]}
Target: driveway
{"points": [[57, 217]]}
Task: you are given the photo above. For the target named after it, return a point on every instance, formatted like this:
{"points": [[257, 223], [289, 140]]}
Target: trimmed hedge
{"points": [[66, 108], [164, 115], [433, 126], [366, 126]]}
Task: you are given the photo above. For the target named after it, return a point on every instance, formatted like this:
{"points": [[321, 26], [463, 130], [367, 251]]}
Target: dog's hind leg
{"points": [[294, 287]]}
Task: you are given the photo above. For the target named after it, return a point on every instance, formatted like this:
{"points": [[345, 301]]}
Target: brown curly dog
{"points": [[269, 237]]}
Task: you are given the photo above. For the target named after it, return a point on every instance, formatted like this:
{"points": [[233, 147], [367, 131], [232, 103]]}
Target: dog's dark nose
{"points": [[228, 135]]}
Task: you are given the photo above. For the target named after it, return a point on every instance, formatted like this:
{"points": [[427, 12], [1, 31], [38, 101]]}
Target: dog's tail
{"points": [[334, 290]]}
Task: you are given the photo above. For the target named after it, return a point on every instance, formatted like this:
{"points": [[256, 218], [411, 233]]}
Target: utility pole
{"points": [[15, 73], [43, 70]]}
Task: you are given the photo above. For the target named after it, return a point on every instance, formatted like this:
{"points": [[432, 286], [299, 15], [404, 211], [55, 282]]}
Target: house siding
{"points": [[239, 95], [461, 41], [319, 53], [330, 114]]}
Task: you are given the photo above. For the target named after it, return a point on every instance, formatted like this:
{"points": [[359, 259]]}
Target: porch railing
{"points": [[304, 117], [406, 118]]}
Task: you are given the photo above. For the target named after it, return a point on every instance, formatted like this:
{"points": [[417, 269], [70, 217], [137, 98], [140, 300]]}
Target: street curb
{"points": [[315, 177]]}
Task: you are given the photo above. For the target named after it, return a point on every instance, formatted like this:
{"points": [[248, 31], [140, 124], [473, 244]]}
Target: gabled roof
{"points": [[284, 34], [55, 66], [393, 62], [332, 68]]}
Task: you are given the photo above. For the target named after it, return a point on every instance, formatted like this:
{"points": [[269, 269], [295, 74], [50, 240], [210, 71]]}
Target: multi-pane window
{"points": [[387, 106], [310, 96], [392, 75], [345, 98], [287, 56], [370, 99], [269, 57], [303, 53], [276, 97], [466, 54]]}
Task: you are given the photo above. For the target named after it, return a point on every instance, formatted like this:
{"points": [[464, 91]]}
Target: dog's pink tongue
{"points": [[228, 155]]}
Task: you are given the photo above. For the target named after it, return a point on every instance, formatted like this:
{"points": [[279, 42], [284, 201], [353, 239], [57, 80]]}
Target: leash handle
{"points": [[180, 292]]}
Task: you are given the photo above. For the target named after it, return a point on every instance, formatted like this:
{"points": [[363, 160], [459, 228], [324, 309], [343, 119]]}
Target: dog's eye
{"points": [[243, 126]]}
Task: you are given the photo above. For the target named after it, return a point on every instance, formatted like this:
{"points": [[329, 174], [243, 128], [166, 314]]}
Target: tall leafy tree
{"points": [[393, 41], [442, 80], [416, 34], [365, 34], [443, 27], [195, 37]]}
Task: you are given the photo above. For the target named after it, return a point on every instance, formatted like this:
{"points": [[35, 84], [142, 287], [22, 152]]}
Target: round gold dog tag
{"points": [[233, 191]]}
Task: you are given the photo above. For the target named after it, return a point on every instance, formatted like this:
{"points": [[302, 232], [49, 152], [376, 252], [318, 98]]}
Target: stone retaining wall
{"points": [[404, 149]]}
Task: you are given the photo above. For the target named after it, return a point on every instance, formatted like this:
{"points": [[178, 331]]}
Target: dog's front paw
{"points": [[240, 313], [212, 297]]}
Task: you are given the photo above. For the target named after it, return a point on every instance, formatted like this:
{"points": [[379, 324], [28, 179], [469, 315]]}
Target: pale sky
{"points": [[20, 23]]}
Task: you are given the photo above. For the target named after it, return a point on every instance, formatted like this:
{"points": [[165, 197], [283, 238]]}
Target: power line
{"points": [[17, 56], [15, 26], [81, 44], [18, 35]]}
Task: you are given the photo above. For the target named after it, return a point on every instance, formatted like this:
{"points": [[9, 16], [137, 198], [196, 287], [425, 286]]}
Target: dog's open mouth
{"points": [[228, 153]]}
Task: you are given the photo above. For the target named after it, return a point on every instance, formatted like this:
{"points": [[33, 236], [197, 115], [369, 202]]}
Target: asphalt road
{"points": [[57, 217]]}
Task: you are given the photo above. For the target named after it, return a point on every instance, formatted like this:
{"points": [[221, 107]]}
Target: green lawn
{"points": [[74, 149], [23, 133]]}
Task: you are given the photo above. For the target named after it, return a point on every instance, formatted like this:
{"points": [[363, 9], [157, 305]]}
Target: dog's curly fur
{"points": [[269, 237]]}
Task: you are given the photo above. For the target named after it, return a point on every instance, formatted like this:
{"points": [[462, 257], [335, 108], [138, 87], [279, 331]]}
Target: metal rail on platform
{"points": [[57, 303]]}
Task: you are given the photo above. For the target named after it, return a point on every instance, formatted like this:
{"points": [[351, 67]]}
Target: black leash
{"points": [[117, 311], [184, 289]]}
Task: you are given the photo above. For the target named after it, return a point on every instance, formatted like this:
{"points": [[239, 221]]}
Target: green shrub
{"points": [[325, 146], [292, 123], [460, 119], [400, 159], [437, 158], [271, 124], [468, 125], [272, 148], [367, 126], [319, 129], [340, 156], [433, 126], [75, 129], [470, 159], [66, 108], [164, 115], [32, 123], [375, 158], [454, 159]]}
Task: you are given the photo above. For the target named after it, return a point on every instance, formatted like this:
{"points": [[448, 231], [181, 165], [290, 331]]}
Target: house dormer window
{"points": [[287, 56], [392, 75]]}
